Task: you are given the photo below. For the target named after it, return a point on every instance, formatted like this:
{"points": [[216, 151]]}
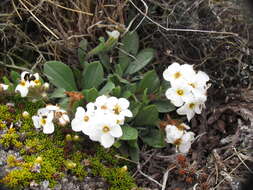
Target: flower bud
{"points": [[25, 115], [124, 168], [46, 86], [76, 138], [69, 164], [68, 137]]}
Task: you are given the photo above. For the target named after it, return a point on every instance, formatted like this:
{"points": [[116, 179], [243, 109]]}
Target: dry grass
{"points": [[52, 29]]}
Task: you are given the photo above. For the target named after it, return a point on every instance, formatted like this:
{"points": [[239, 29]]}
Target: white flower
{"points": [[176, 72], [3, 87], [82, 121], [23, 88], [44, 119], [194, 105], [175, 132], [179, 93], [34, 80], [184, 143], [114, 34], [105, 130], [24, 84], [119, 107]]}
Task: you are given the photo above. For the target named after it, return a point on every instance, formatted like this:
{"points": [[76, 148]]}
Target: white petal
{"points": [[90, 107], [101, 100], [65, 117], [95, 134], [77, 125], [48, 128], [23, 90], [188, 137], [114, 34], [166, 75], [37, 76], [182, 110], [52, 107], [43, 111], [173, 133], [190, 114], [80, 112], [116, 131], [107, 140], [126, 113], [124, 103], [112, 101], [184, 148], [36, 121], [177, 101]]}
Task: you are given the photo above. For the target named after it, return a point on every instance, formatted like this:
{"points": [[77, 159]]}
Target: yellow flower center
{"points": [[37, 82], [106, 129], [177, 75], [117, 109], [178, 142], [86, 118], [22, 83], [104, 107], [191, 105], [43, 121], [180, 92], [181, 127], [193, 85]]}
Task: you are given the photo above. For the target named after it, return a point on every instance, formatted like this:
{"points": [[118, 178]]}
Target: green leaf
{"points": [[129, 133], [109, 86], [58, 93], [164, 106], [134, 150], [150, 81], [60, 75], [93, 75], [147, 116], [15, 76], [105, 60], [153, 137], [142, 59], [130, 46], [116, 91], [130, 43], [82, 50], [90, 95]]}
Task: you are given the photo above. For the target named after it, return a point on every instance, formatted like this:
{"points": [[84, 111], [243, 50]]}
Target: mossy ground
{"points": [[52, 153]]}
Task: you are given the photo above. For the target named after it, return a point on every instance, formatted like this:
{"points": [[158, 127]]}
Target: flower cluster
{"points": [[46, 117], [179, 136], [188, 89], [102, 119]]}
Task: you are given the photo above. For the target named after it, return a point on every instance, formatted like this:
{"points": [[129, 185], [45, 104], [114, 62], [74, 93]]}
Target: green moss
{"points": [[80, 169], [117, 178], [53, 153], [18, 178], [10, 139]]}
